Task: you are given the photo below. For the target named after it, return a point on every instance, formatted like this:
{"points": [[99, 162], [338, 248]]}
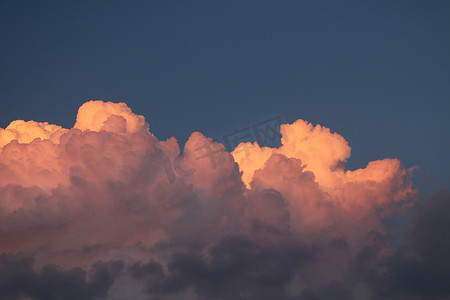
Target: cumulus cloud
{"points": [[18, 280], [107, 209], [26, 132]]}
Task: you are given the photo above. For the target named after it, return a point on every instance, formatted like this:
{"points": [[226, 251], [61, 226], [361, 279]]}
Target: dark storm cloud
{"points": [[420, 267], [18, 280], [240, 268], [236, 268], [268, 266]]}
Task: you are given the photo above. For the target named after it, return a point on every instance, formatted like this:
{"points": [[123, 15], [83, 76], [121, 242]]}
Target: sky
{"points": [[376, 72], [120, 177]]}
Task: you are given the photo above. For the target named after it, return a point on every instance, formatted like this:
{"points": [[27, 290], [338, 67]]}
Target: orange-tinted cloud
{"points": [[26, 132], [108, 189], [324, 155]]}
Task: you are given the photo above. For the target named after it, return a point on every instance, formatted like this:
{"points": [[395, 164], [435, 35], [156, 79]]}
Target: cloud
{"points": [[18, 280], [236, 268], [108, 116], [203, 223], [26, 132], [420, 267]]}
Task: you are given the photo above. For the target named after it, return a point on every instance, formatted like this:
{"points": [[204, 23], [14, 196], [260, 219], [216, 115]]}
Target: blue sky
{"points": [[376, 72]]}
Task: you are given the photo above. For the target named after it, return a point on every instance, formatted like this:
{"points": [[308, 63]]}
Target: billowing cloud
{"points": [[26, 132], [108, 210]]}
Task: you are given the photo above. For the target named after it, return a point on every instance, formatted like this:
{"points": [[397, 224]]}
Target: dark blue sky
{"points": [[376, 72]]}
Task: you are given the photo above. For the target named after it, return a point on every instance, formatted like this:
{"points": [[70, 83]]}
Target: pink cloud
{"points": [[108, 189]]}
